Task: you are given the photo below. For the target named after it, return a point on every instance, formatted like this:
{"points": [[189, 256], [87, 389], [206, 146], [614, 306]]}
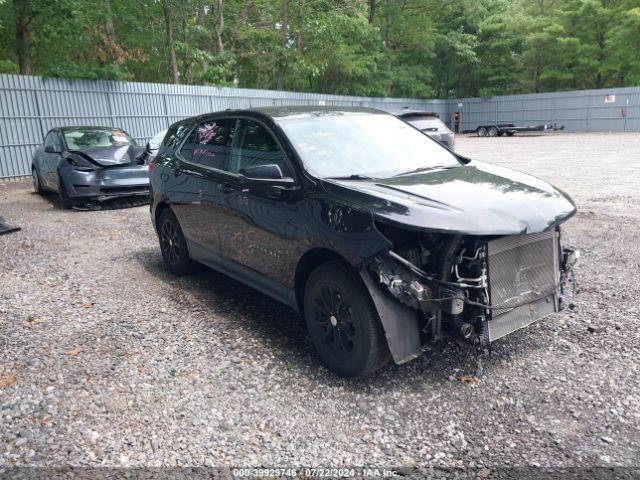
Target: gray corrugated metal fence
{"points": [[607, 110], [30, 106]]}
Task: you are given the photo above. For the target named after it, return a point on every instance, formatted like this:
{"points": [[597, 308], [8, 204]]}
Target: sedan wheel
{"points": [[342, 321], [35, 180]]}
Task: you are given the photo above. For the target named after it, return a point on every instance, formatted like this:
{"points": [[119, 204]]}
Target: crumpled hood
{"points": [[475, 199], [112, 156]]}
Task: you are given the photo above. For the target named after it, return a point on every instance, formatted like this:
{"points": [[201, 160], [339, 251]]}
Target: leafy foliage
{"points": [[409, 48]]}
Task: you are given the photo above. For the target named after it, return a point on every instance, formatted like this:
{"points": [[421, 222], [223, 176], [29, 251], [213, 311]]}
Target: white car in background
{"points": [[429, 123], [153, 144]]}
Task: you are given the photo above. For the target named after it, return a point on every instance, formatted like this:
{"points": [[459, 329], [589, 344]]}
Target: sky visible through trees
{"points": [[400, 48]]}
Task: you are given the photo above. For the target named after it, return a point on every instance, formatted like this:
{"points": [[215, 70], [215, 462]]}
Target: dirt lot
{"points": [[106, 359]]}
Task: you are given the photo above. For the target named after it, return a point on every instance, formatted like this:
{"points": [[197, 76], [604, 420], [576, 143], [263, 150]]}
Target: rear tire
{"points": [[482, 131], [173, 245], [35, 179], [492, 132], [343, 324]]}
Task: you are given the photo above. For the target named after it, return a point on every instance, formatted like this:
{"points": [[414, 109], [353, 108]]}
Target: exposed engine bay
{"points": [[477, 289]]}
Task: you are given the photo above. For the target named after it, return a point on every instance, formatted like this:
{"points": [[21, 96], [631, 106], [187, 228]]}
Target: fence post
{"points": [[42, 132], [109, 104], [166, 110]]}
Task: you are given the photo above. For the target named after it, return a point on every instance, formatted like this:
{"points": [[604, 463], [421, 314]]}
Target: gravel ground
{"points": [[106, 359]]}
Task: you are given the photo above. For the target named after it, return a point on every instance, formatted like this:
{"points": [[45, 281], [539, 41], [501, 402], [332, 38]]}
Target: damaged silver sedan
{"points": [[89, 164], [383, 239]]}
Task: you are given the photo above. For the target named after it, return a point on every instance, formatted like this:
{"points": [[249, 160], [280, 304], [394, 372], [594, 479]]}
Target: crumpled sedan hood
{"points": [[112, 156], [474, 199]]}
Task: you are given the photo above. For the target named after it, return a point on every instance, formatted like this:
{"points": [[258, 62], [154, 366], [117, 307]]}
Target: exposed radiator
{"points": [[524, 278]]}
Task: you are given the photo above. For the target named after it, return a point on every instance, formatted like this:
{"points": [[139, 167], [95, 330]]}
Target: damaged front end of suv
{"points": [[474, 252], [476, 289]]}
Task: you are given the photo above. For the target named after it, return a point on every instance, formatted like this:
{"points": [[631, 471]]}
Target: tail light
{"points": [[151, 166]]}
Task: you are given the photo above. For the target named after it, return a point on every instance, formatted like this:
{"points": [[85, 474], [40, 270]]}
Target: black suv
{"points": [[383, 239]]}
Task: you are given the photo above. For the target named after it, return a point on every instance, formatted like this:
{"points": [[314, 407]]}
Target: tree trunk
{"points": [[600, 80], [535, 86], [372, 10], [387, 42], [186, 62], [284, 37], [300, 26], [172, 51], [23, 35], [109, 27], [218, 27], [201, 21]]}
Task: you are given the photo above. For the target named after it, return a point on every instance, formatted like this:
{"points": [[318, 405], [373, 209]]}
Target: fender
{"points": [[401, 324]]}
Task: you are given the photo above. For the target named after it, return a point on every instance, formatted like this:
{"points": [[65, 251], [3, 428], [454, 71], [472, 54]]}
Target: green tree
{"points": [[409, 48]]}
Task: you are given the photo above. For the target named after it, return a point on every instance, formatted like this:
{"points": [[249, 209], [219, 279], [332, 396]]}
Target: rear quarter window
{"points": [[176, 133]]}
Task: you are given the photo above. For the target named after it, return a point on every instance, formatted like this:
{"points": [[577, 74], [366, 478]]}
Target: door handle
{"points": [[275, 191], [227, 188]]}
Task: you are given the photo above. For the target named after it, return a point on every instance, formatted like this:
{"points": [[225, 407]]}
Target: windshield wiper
{"points": [[355, 176], [420, 169]]}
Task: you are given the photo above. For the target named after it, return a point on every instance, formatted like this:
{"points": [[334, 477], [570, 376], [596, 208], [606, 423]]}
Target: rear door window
{"points": [[175, 135], [209, 144]]}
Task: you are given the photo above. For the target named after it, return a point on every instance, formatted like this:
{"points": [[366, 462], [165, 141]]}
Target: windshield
{"points": [[364, 145], [430, 124], [82, 138]]}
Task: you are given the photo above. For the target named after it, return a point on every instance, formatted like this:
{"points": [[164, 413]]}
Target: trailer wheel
{"points": [[493, 132], [482, 131], [510, 134]]}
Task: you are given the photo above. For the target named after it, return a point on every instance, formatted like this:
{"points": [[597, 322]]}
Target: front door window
{"points": [[254, 147]]}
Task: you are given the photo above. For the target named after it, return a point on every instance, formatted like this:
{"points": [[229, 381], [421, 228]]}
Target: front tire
{"points": [[342, 321], [173, 245], [65, 200]]}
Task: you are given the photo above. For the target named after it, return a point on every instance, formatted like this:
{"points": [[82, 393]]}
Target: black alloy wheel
{"points": [[173, 245], [334, 315], [342, 321], [170, 245]]}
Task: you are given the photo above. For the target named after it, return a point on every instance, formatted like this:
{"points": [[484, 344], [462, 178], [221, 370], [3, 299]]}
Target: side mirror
{"points": [[270, 174], [50, 149]]}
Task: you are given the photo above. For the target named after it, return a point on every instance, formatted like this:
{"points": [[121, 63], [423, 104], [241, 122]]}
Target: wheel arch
{"points": [[311, 260], [400, 323], [160, 207]]}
